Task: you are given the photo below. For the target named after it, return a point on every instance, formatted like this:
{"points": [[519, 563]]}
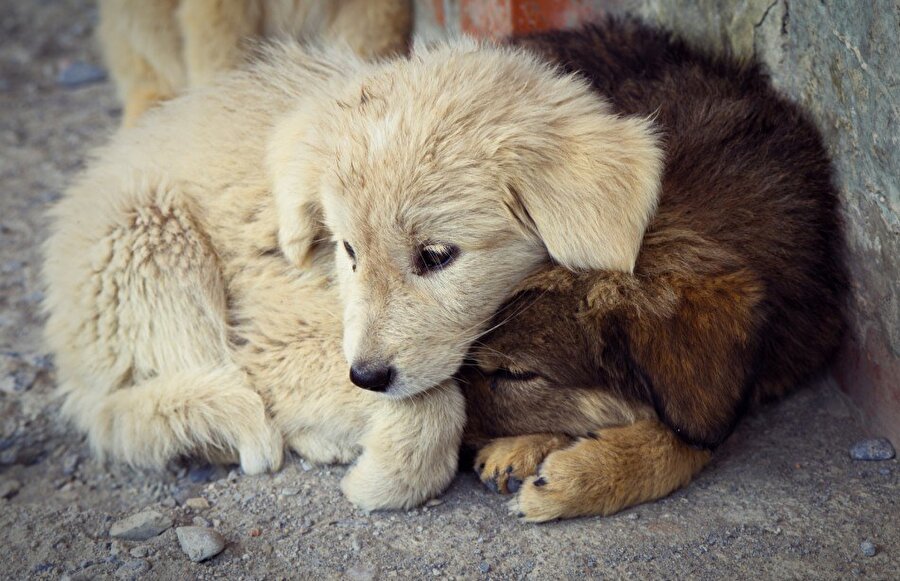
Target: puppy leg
{"points": [[373, 28], [618, 468], [138, 322], [505, 462], [410, 450], [210, 412], [320, 449], [213, 31], [141, 49]]}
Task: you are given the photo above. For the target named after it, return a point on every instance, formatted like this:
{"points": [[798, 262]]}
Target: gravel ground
{"points": [[782, 499]]}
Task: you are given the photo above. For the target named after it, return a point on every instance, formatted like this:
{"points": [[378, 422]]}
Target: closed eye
{"points": [[510, 376]]}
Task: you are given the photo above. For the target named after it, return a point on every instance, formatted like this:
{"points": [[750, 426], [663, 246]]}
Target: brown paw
{"points": [[505, 462], [562, 488], [604, 474]]}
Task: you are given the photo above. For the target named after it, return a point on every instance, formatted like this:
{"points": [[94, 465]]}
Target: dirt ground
{"points": [[783, 499]]}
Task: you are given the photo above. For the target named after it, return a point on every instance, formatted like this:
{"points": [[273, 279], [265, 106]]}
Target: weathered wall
{"points": [[840, 60]]}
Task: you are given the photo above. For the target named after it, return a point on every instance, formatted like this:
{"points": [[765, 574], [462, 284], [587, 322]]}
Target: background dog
{"points": [[626, 381], [156, 49]]}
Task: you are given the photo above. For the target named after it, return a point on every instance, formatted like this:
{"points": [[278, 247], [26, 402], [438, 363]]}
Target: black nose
{"points": [[372, 376]]}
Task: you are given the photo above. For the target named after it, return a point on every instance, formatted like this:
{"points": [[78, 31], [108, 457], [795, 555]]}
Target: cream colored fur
{"points": [[488, 149], [157, 48], [178, 327]]}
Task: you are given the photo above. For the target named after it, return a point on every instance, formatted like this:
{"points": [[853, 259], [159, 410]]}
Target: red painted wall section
{"points": [[491, 18], [499, 18], [440, 15]]}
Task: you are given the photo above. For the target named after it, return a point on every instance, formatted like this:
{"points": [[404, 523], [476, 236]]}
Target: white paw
{"points": [[262, 454], [370, 488], [320, 450]]}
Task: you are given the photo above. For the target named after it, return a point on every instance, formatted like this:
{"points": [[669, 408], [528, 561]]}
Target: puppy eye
{"points": [[351, 253], [433, 257], [510, 377]]}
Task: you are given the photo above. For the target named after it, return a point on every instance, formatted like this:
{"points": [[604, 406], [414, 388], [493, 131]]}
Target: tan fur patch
{"points": [[618, 468]]}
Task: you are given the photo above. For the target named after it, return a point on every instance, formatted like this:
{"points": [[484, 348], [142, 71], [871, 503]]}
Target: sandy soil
{"points": [[782, 498]]}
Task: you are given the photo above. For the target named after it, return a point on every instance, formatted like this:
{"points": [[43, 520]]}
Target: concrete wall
{"points": [[841, 60]]}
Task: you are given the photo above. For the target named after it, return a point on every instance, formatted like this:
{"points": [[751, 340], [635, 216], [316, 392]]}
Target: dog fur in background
{"points": [[624, 382], [156, 49]]}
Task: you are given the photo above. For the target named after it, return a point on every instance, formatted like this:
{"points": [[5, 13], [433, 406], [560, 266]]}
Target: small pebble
{"points": [[868, 548], [70, 464], [434, 502], [485, 568], [199, 521], [200, 543], [139, 552], [290, 491], [136, 566], [197, 503], [18, 372], [9, 488], [169, 503], [255, 532], [872, 449], [361, 572], [79, 74], [141, 526]]}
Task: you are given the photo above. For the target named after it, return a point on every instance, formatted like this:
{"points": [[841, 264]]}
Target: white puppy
{"points": [[446, 179], [178, 326]]}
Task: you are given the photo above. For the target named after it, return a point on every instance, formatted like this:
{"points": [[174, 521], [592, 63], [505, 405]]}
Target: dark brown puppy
{"points": [[736, 298]]}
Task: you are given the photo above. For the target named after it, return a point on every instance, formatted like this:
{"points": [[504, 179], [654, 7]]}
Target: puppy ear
{"points": [[295, 175], [589, 185], [695, 361]]}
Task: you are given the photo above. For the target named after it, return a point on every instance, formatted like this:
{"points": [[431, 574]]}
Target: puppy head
{"points": [[548, 365], [444, 180], [677, 340]]}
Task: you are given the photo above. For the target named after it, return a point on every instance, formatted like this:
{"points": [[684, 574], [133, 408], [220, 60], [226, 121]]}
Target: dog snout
{"points": [[373, 376]]}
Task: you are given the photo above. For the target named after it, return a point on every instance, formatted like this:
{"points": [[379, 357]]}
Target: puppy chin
{"points": [[401, 389]]}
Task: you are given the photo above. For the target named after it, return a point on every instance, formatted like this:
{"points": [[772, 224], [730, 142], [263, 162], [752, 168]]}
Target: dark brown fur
{"points": [[738, 292]]}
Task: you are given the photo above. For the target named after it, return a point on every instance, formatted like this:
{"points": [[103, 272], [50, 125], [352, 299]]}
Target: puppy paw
{"points": [[606, 473], [261, 454], [320, 450], [370, 488], [562, 488], [505, 462]]}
